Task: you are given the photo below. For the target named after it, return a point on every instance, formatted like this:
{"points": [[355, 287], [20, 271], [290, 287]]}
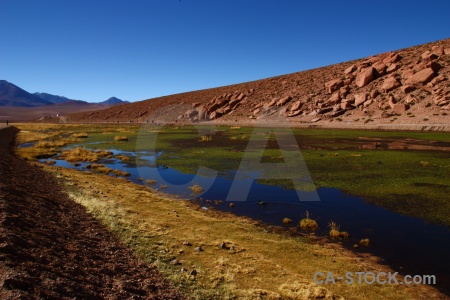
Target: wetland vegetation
{"points": [[405, 172], [383, 167]]}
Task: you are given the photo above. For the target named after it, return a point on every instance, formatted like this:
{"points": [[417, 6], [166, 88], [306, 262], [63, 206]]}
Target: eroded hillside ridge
{"points": [[407, 86]]}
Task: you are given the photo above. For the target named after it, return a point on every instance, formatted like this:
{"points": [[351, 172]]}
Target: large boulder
{"points": [[392, 68], [428, 55], [421, 77], [400, 108], [380, 68], [407, 74], [390, 83], [434, 65], [360, 98], [294, 113], [344, 90], [410, 99], [407, 88], [237, 96], [350, 69], [213, 107], [234, 103], [333, 85], [284, 100], [346, 105], [392, 58], [365, 76], [296, 106], [335, 98], [437, 50], [214, 115], [392, 101], [271, 103], [374, 93]]}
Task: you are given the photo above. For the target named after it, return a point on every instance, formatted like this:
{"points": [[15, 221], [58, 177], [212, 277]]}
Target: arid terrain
{"points": [[403, 89], [51, 248]]}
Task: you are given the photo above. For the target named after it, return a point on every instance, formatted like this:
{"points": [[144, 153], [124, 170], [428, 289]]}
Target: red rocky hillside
{"points": [[408, 86]]}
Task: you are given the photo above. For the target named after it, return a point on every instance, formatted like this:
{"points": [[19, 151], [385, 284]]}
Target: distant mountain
{"points": [[113, 101], [12, 95], [52, 98]]}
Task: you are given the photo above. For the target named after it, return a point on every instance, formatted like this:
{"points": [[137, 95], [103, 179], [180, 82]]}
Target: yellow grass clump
{"points": [[121, 138], [121, 173], [205, 138], [334, 231], [287, 221], [79, 154], [308, 224], [80, 135], [196, 188], [123, 158], [364, 242], [101, 168]]}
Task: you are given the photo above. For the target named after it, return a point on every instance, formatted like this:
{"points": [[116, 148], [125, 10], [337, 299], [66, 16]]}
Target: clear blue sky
{"points": [[94, 49]]}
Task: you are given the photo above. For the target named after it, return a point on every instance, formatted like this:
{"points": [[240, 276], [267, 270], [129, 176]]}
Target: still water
{"points": [[410, 245]]}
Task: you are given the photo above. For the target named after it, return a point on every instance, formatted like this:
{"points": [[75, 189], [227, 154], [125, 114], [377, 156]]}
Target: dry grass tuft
{"points": [[364, 242], [196, 188], [308, 224], [123, 158], [121, 173], [334, 231], [205, 138], [82, 135], [121, 138], [79, 154], [150, 181], [287, 221]]}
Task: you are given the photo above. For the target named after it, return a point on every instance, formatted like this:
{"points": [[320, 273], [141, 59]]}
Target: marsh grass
{"points": [[205, 138], [258, 265], [123, 158], [80, 135], [121, 138], [79, 154], [150, 182], [287, 221], [424, 195], [121, 173], [196, 189], [308, 224]]}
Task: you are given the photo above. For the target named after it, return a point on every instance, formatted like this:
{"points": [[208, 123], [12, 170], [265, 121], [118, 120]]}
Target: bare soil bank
{"points": [[50, 247]]}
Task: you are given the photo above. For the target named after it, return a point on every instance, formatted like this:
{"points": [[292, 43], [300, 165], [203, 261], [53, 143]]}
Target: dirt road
{"points": [[51, 248]]}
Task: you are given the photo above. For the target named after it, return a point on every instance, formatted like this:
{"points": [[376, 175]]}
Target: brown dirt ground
{"points": [[51, 248]]}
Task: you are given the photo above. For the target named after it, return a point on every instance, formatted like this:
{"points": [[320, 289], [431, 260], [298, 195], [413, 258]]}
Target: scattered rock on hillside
{"points": [[400, 108], [360, 99], [421, 77], [365, 76], [333, 85], [390, 83]]}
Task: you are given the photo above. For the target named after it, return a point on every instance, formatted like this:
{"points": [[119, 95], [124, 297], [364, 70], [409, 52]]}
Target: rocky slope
{"points": [[408, 86]]}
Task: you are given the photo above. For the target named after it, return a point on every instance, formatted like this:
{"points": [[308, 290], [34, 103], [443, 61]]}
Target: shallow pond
{"points": [[410, 245]]}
